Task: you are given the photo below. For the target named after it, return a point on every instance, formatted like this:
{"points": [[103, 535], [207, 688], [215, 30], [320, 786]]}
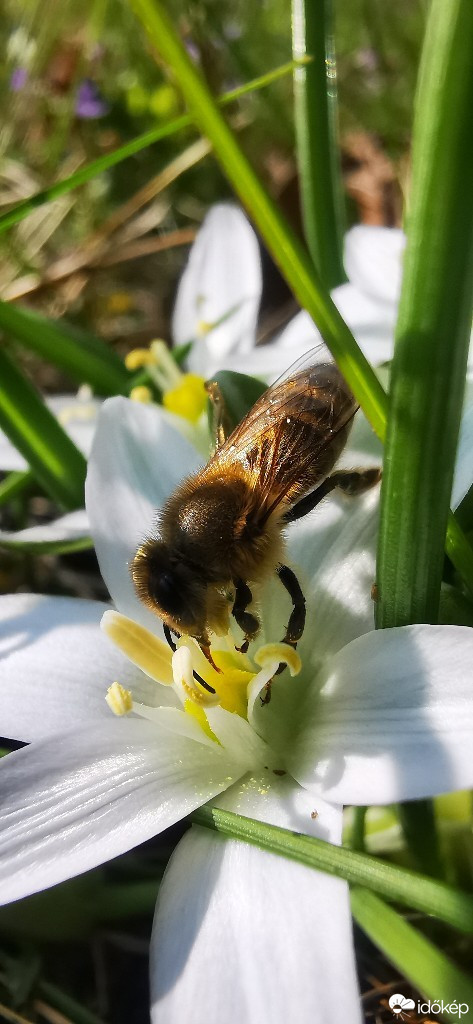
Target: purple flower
{"points": [[18, 79], [89, 102]]}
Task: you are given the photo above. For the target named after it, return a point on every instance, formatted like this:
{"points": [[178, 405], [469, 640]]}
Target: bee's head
{"points": [[170, 587]]}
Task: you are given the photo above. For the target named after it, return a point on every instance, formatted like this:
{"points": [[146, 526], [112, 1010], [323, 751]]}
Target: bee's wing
{"points": [[289, 427], [268, 409]]}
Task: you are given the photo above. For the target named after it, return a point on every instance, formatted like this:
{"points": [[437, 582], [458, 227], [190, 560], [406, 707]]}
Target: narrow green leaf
{"points": [[47, 547], [433, 331], [425, 894], [103, 163], [318, 160], [294, 261], [55, 461], [63, 1002], [13, 484], [81, 355], [425, 966], [283, 244]]}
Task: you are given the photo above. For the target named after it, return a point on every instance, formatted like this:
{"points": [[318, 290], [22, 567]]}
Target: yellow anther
{"points": [[188, 399], [278, 654], [137, 358], [203, 327], [119, 700], [141, 394], [143, 648]]}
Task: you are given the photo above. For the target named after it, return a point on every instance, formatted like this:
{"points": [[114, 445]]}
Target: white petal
{"points": [[393, 720], [223, 274], [332, 551], [371, 322], [244, 935], [71, 803], [240, 741], [78, 415], [56, 666], [73, 526], [10, 458], [136, 462], [373, 261]]}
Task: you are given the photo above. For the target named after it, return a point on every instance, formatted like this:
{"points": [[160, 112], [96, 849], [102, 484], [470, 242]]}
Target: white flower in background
{"points": [[217, 307], [218, 299], [372, 717]]}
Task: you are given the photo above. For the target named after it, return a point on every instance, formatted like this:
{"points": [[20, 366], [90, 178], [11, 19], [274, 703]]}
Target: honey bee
{"points": [[222, 530]]}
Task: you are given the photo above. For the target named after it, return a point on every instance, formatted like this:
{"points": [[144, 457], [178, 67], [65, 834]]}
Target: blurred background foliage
{"points": [[79, 81]]}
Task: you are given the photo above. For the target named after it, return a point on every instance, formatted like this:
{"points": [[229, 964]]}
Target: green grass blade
{"points": [[285, 247], [66, 1005], [46, 547], [432, 338], [104, 163], [315, 97], [14, 484], [84, 357], [54, 460], [425, 966], [400, 884]]}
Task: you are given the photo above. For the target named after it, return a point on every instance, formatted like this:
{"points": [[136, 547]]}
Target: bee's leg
{"points": [[247, 622], [295, 626], [168, 634], [221, 426], [349, 481]]}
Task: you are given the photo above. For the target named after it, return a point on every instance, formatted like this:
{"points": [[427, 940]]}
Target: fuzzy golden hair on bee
{"points": [[222, 530]]}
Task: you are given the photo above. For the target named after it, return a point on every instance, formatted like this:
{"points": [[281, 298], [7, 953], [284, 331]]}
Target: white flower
{"points": [[217, 307], [222, 284], [372, 717]]}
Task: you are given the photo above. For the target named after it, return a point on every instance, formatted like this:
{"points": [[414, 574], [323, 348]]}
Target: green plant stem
{"points": [[433, 331], [425, 894], [357, 837], [55, 461], [144, 141], [430, 355], [296, 264], [418, 823], [315, 97], [425, 966]]}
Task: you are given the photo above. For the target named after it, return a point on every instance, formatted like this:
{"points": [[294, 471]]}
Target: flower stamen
{"points": [[119, 700]]}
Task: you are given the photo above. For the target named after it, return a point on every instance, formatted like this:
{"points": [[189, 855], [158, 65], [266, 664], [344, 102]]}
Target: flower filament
{"points": [[236, 680]]}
